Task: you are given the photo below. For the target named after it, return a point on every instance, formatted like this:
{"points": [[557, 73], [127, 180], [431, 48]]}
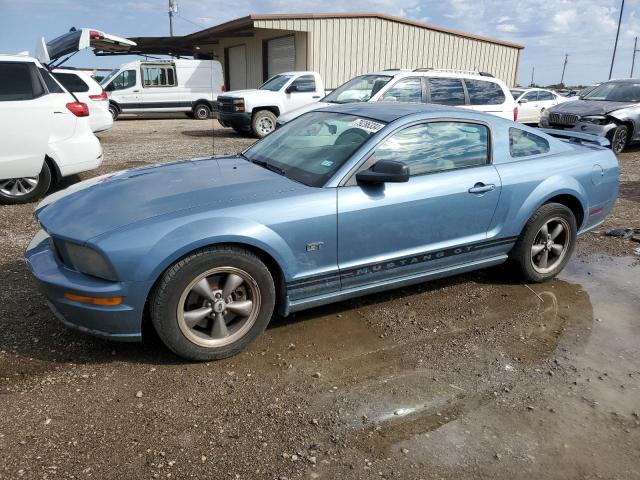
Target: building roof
{"points": [[242, 26]]}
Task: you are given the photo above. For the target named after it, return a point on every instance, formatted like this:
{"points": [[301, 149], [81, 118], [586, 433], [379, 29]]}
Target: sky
{"points": [[549, 29]]}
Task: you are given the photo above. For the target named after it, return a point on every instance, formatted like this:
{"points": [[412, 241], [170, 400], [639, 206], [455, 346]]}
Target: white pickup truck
{"points": [[256, 110]]}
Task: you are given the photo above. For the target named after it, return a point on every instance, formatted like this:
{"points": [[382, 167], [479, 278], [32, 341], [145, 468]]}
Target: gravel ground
{"points": [[477, 376]]}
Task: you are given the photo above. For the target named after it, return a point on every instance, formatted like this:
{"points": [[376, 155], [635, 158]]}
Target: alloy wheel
{"points": [[619, 140], [17, 187], [550, 245], [219, 307]]}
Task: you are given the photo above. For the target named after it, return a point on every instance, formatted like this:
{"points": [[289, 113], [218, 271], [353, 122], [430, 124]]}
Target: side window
{"points": [[482, 92], [71, 82], [531, 96], [305, 83], [407, 90], [125, 79], [18, 81], [437, 147], [158, 76], [524, 144], [545, 96], [51, 84], [446, 91]]}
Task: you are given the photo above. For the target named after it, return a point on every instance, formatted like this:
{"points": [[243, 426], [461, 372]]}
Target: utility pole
{"points": [[633, 61], [566, 59], [173, 8], [615, 45], [533, 69]]}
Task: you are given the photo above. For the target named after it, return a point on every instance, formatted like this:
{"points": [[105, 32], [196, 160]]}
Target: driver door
{"points": [[529, 110], [437, 219], [305, 92]]}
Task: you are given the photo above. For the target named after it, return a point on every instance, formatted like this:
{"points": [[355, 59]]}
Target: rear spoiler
{"points": [[577, 137]]}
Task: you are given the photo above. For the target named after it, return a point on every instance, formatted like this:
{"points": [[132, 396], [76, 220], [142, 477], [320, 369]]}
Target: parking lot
{"points": [[477, 376]]}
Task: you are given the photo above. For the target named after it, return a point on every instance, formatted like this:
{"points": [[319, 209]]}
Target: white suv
{"points": [[45, 131], [475, 90], [87, 90]]}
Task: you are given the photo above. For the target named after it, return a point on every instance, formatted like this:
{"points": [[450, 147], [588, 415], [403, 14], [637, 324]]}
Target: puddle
{"points": [[408, 390]]}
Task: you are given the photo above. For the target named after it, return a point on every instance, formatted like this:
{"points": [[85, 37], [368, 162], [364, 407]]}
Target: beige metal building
{"points": [[342, 45]]}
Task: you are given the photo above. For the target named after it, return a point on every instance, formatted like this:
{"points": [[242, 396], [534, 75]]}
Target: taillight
{"points": [[79, 109], [223, 88], [93, 35], [102, 96], [515, 114]]}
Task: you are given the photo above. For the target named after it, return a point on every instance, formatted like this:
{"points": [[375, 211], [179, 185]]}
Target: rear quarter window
{"points": [[446, 91], [51, 84], [71, 82], [19, 81], [484, 93], [525, 144]]}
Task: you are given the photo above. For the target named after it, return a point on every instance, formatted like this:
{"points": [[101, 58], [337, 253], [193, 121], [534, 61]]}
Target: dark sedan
{"points": [[610, 110]]}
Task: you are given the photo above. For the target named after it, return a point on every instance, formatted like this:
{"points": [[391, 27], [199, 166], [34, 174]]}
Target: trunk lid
{"points": [[78, 39]]}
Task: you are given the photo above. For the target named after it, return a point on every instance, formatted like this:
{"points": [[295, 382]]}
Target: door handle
{"points": [[136, 91], [316, 96], [482, 188]]}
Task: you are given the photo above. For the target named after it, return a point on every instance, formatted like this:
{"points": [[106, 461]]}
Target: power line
{"points": [[190, 21], [615, 45]]}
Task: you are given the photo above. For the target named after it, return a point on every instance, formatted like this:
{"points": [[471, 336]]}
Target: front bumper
{"points": [[119, 322], [238, 120], [581, 127]]}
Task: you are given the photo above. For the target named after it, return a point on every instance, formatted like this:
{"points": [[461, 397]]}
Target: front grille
{"points": [[564, 119], [225, 104]]}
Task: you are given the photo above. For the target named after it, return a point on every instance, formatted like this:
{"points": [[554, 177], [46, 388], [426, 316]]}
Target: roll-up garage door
{"points": [[281, 55], [237, 67]]}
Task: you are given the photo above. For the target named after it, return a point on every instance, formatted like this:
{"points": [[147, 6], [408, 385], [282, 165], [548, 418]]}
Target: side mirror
{"points": [[523, 100], [291, 89], [384, 171]]}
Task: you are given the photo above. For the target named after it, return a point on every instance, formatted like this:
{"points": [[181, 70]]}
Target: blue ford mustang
{"points": [[341, 202]]}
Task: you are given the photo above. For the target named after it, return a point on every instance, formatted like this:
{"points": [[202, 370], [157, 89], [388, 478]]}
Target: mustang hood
{"points": [[589, 107], [96, 206]]}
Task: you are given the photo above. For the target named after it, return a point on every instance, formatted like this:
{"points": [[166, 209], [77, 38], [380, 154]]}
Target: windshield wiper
{"points": [[269, 166]]}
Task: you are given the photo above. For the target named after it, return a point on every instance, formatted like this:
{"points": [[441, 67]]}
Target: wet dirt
{"points": [[476, 376]]}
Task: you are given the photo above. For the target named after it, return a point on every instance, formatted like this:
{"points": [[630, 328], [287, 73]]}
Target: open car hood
{"points": [[75, 40]]}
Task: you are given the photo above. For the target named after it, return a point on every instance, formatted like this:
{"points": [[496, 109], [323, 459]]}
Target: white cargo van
{"points": [[189, 86]]}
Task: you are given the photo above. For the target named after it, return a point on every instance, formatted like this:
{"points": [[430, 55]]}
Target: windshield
{"points": [[359, 89], [516, 93], [275, 83], [615, 92], [109, 76], [311, 148]]}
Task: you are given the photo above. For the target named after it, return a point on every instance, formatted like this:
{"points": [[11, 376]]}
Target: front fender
{"points": [[144, 261]]}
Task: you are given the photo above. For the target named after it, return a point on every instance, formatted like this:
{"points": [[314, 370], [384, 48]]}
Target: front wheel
{"points": [[546, 243], [213, 303], [618, 138], [263, 123], [26, 189], [114, 111], [201, 111]]}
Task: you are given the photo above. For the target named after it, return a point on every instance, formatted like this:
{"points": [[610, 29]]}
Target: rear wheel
{"points": [[213, 303], [25, 189], [114, 111], [546, 243], [263, 123], [618, 138], [201, 112]]}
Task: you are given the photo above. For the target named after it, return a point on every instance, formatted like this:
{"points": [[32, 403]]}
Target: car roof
{"points": [[390, 111], [5, 57], [428, 72]]}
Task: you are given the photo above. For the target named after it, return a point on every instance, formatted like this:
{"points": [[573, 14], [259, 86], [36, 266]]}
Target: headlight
{"points": [[238, 104], [85, 260], [597, 119]]}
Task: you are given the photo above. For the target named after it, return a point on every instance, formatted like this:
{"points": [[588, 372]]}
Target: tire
{"points": [[263, 123], [24, 190], [114, 111], [528, 253], [178, 294], [619, 137], [202, 111]]}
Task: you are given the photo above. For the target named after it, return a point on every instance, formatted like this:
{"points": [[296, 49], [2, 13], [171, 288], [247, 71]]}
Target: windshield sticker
{"points": [[327, 163], [367, 125]]}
